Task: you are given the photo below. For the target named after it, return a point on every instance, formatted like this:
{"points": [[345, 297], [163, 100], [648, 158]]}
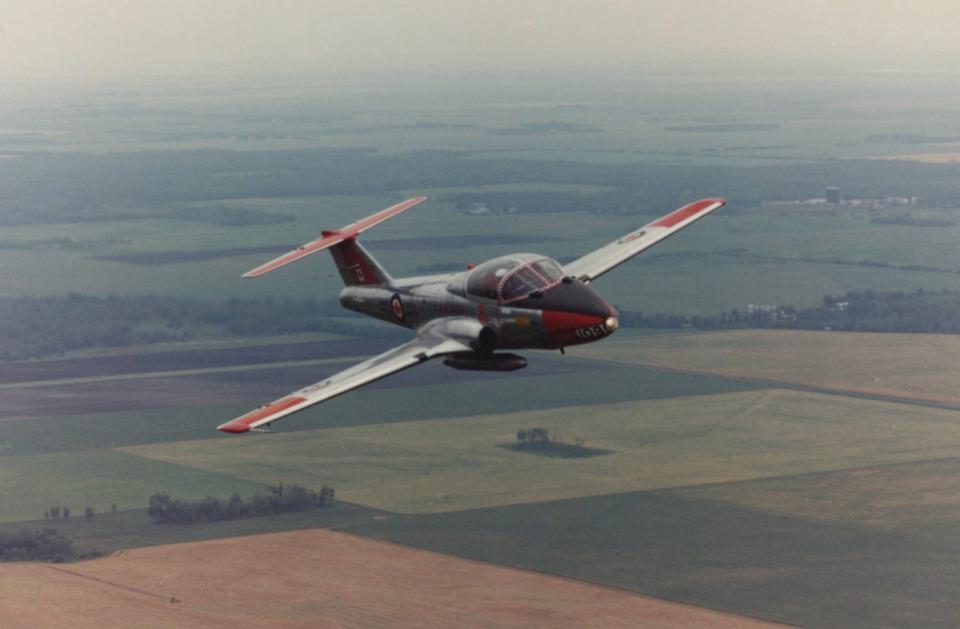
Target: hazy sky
{"points": [[94, 38]]}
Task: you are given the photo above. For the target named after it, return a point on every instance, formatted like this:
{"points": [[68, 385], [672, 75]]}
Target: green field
{"points": [[916, 366], [463, 396], [108, 532], [914, 500], [449, 465], [29, 485]]}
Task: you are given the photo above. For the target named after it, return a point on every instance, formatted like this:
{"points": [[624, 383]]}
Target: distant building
{"points": [[832, 194], [478, 209]]}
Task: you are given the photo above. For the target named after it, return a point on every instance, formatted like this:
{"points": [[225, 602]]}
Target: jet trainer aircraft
{"points": [[515, 302]]}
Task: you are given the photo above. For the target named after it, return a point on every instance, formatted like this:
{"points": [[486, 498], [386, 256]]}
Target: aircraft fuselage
{"points": [[568, 313]]}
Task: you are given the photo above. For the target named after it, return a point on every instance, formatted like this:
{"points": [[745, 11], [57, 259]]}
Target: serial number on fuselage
{"points": [[593, 331], [451, 309]]}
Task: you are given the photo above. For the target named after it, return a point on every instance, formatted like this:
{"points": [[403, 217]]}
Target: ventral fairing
{"points": [[474, 319]]}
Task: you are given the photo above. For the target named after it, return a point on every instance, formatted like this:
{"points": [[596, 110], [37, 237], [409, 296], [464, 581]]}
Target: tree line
{"points": [[869, 311], [36, 545], [32, 327], [278, 499], [42, 327]]}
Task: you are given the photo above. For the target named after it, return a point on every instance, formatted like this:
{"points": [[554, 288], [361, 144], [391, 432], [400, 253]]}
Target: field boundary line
{"points": [[112, 584]]}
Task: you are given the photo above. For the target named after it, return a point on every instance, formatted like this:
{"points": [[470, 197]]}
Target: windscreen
{"points": [[534, 276], [510, 279]]}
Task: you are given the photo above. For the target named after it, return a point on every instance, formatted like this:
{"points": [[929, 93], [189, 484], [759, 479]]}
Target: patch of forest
{"points": [[36, 545], [277, 499]]}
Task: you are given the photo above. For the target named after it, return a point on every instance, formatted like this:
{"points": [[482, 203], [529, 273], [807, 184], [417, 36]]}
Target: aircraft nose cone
{"points": [[573, 328], [573, 297]]}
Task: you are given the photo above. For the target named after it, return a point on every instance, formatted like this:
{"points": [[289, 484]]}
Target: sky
{"points": [[115, 38]]}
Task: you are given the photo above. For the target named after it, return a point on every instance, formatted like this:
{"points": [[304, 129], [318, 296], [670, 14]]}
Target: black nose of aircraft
{"points": [[572, 296]]}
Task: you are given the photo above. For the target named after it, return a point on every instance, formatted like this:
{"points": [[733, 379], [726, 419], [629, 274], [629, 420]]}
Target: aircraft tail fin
{"points": [[347, 253], [356, 265]]}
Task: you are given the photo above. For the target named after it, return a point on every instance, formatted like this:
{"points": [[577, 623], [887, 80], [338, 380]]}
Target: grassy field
{"points": [[108, 532], [921, 366], [917, 500], [447, 465], [191, 406], [30, 485]]}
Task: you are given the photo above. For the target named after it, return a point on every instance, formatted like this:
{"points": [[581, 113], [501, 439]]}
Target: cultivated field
{"points": [[919, 366], [320, 579], [919, 500], [447, 465], [717, 555]]}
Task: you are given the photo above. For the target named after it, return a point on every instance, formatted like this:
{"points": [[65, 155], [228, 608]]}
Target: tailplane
{"points": [[355, 264]]}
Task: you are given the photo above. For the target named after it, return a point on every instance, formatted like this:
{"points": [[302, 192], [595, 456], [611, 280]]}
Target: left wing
{"points": [[418, 350], [596, 263]]}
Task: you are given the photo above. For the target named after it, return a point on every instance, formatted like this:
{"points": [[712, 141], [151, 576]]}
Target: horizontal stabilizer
{"points": [[330, 238]]}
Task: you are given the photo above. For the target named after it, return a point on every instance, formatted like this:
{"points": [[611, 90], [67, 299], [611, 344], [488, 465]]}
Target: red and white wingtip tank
{"points": [[514, 302]]}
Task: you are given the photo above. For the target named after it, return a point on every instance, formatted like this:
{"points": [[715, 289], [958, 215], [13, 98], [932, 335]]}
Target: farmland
{"points": [[322, 579], [705, 480], [917, 366], [801, 477], [451, 465]]}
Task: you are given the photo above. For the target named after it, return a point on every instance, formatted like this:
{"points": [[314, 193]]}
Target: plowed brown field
{"points": [[319, 579]]}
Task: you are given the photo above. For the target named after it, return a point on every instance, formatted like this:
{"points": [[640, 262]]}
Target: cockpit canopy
{"points": [[512, 278]]}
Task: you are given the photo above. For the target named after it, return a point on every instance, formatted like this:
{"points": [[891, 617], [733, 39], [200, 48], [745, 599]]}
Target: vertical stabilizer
{"points": [[357, 267]]}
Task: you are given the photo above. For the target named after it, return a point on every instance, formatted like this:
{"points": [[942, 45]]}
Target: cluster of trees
{"points": [[534, 437], [56, 512], [278, 499], [539, 441], [40, 327], [869, 311], [36, 545]]}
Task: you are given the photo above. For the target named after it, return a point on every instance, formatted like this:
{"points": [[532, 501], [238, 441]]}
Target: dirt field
{"points": [[320, 579], [919, 366]]}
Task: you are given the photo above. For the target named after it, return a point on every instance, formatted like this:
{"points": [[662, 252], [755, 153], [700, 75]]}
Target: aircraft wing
{"points": [[420, 349], [596, 263]]}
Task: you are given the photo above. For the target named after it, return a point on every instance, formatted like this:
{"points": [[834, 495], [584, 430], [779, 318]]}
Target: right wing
{"points": [[407, 355], [596, 263]]}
